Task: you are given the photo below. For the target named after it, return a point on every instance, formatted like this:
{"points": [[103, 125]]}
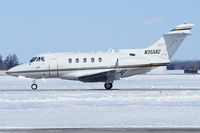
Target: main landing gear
{"points": [[108, 86], [34, 86]]}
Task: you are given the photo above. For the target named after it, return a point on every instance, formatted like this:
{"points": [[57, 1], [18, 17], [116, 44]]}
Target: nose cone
{"points": [[15, 71]]}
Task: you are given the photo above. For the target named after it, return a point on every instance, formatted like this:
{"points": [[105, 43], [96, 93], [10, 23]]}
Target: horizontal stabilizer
{"points": [[181, 29]]}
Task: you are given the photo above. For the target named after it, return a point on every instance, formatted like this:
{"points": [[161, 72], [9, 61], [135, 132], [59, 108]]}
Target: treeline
{"points": [[10, 61], [183, 65]]}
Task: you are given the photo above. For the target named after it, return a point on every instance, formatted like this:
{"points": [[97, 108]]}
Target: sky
{"points": [[31, 27]]}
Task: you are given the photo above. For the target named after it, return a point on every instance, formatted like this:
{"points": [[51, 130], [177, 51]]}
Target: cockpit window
{"points": [[42, 59], [33, 59], [38, 59]]}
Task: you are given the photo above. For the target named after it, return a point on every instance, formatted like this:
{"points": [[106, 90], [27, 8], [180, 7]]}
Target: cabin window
{"points": [[77, 60], [70, 60], [84, 60], [100, 59], [92, 60]]}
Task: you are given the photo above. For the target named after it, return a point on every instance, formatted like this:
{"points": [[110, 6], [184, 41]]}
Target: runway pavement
{"points": [[125, 89], [103, 130]]}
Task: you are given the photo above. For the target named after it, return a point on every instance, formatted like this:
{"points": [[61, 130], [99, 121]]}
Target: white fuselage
{"points": [[72, 66]]}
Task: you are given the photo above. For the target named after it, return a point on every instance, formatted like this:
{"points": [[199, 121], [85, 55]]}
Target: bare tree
{"points": [[11, 61], [1, 63]]}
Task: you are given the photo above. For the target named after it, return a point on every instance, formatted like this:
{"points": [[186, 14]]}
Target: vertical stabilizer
{"points": [[169, 43], [176, 36], [173, 39]]}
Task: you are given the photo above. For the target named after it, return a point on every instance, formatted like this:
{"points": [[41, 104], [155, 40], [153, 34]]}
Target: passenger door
{"points": [[53, 68]]}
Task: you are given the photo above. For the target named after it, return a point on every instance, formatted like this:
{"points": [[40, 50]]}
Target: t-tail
{"points": [[164, 49], [176, 36]]}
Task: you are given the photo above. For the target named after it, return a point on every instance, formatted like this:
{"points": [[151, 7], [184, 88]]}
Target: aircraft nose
{"points": [[11, 71], [15, 71]]}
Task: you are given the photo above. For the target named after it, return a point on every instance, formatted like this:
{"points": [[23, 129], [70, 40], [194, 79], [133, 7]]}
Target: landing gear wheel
{"points": [[108, 86], [34, 86]]}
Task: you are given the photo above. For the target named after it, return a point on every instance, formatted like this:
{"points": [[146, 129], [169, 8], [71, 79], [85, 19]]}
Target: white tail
{"points": [[168, 45], [173, 39]]}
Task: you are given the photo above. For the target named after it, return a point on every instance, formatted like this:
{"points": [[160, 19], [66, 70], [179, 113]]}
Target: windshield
{"points": [[42, 59], [38, 59], [33, 59]]}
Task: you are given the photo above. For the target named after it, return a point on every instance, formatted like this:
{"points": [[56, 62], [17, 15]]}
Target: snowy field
{"points": [[89, 105]]}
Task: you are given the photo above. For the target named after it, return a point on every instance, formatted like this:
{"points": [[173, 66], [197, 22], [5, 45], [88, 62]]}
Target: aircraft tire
{"points": [[34, 86], [108, 86]]}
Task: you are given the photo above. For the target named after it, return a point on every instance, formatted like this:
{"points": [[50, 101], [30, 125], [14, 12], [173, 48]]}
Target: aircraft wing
{"points": [[107, 75]]}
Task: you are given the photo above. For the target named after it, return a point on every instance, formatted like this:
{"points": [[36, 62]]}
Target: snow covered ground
{"points": [[82, 107]]}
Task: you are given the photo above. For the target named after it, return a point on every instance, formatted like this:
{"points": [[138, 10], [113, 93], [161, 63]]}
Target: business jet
{"points": [[104, 67]]}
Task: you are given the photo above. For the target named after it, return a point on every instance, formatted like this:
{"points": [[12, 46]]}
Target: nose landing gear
{"points": [[34, 86]]}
